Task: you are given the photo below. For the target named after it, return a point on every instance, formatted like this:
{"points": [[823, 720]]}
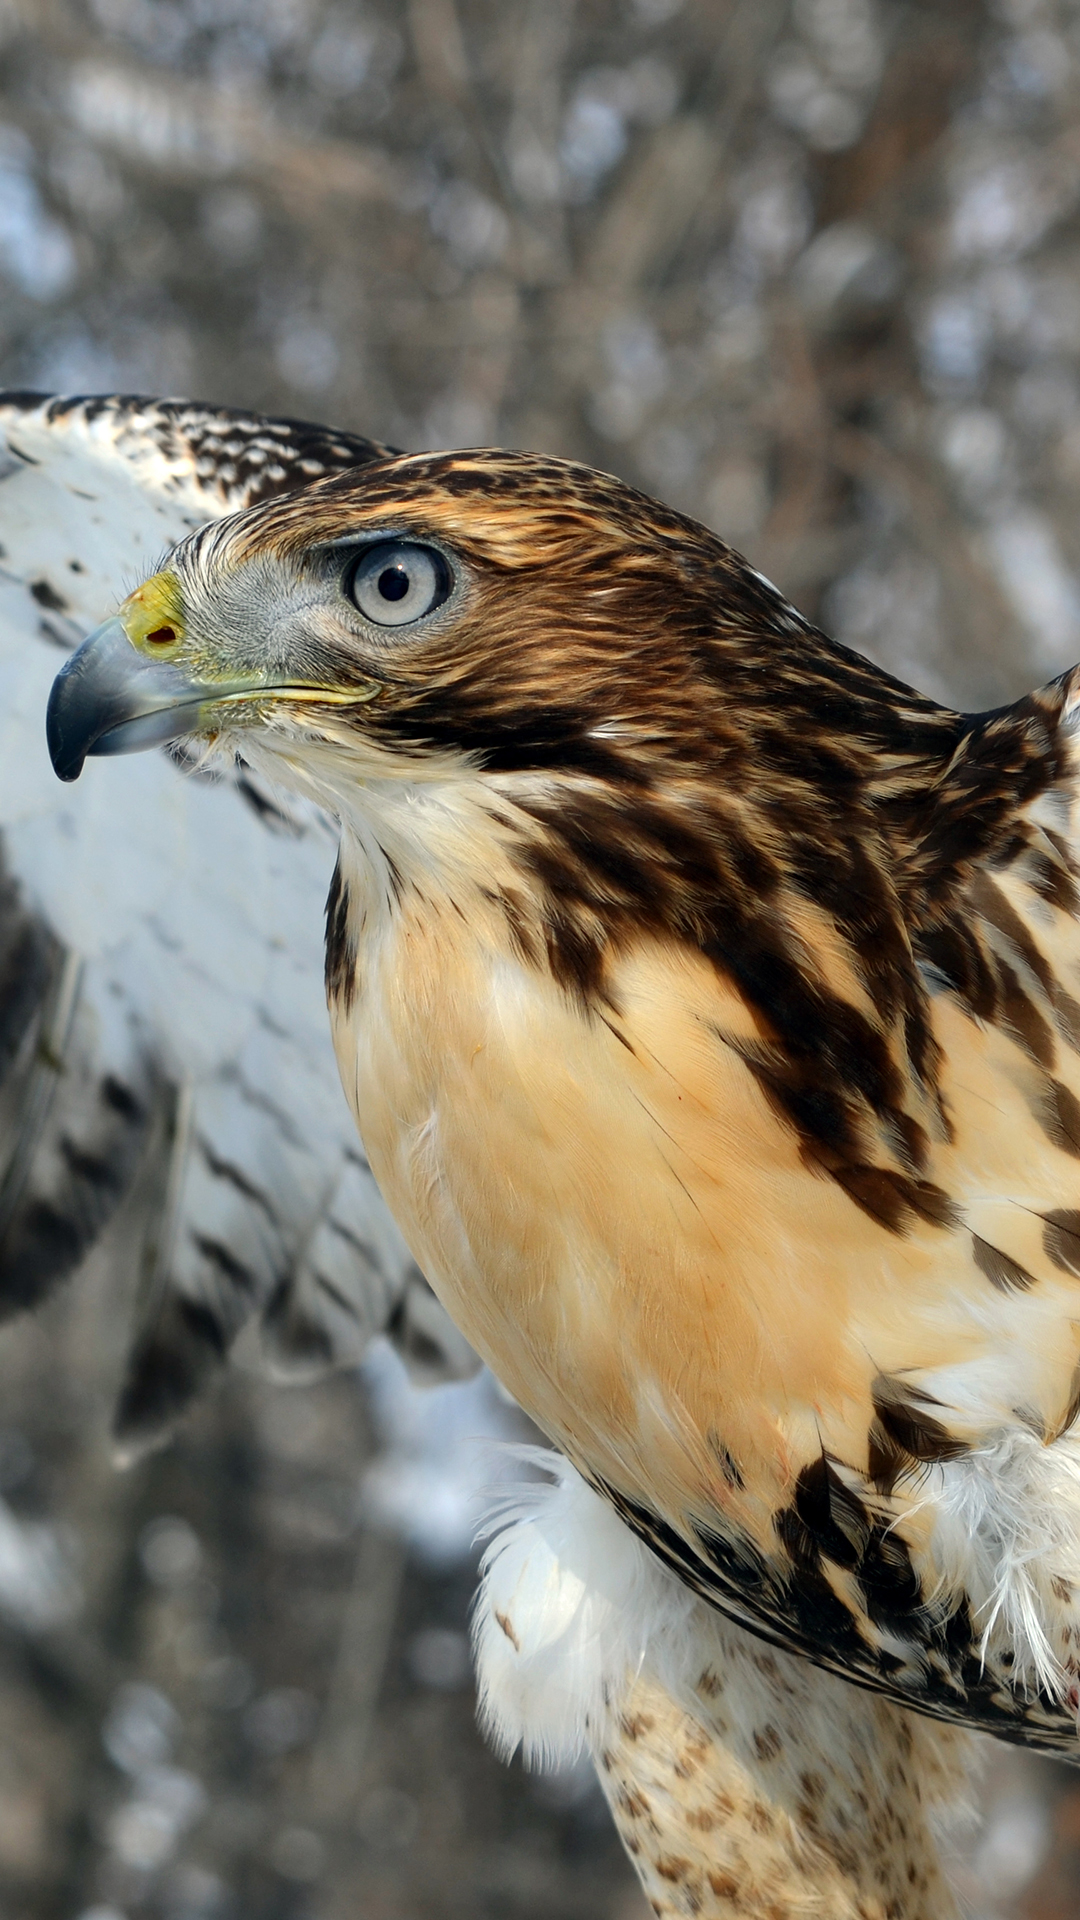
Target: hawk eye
{"points": [[395, 582]]}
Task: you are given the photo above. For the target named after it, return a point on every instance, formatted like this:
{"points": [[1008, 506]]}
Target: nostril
{"points": [[161, 637]]}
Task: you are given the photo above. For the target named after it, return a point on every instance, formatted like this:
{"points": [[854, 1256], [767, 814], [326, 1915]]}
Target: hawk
{"points": [[708, 1002]]}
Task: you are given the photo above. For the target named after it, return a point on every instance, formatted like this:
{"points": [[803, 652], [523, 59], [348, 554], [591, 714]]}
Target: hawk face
{"points": [[529, 615]]}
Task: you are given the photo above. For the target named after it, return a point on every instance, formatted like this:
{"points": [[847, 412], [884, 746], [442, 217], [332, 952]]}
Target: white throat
{"points": [[430, 824]]}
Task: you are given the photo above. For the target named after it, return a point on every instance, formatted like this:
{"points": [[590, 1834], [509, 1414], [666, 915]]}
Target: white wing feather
{"points": [[176, 927]]}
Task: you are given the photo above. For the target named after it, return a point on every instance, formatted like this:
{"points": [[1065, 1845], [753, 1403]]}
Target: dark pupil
{"points": [[393, 583]]}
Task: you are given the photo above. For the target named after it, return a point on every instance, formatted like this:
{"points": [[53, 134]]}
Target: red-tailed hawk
{"points": [[709, 1005]]}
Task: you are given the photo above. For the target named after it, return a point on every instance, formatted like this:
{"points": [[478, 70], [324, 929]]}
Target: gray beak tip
{"points": [[68, 756], [110, 699]]}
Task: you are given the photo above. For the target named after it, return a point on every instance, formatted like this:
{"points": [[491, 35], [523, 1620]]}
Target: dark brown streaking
{"points": [[1002, 1272]]}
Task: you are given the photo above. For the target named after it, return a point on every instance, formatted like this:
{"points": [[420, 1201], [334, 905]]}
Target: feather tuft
{"points": [[569, 1603], [1005, 1533]]}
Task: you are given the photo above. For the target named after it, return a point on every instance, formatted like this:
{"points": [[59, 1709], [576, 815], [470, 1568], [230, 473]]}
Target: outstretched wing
{"points": [[164, 1052]]}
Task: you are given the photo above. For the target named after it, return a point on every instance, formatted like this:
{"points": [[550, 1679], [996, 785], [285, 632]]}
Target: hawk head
{"points": [[522, 613]]}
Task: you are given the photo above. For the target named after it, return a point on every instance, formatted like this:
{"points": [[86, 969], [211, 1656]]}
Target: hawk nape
{"points": [[709, 1005]]}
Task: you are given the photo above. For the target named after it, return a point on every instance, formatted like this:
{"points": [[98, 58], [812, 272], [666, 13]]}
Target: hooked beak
{"points": [[110, 698]]}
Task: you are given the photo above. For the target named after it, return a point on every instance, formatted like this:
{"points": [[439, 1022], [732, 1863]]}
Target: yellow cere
{"points": [[153, 616]]}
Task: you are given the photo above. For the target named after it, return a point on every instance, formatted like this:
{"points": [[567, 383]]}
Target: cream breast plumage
{"points": [[709, 1004]]}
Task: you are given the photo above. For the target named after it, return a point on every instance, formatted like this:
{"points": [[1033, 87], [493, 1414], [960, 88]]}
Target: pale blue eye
{"points": [[396, 582]]}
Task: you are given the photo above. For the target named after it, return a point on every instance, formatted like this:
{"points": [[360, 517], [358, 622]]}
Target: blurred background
{"points": [[808, 269]]}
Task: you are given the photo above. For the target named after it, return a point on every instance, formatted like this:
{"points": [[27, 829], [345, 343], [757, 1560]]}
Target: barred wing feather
{"points": [[162, 1026]]}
